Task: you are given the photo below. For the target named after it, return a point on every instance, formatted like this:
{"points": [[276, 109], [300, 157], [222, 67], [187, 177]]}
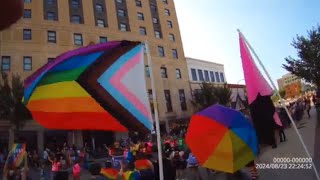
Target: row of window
{"points": [[76, 3], [27, 66], [207, 76], [163, 72], [167, 95], [78, 40], [77, 19]]}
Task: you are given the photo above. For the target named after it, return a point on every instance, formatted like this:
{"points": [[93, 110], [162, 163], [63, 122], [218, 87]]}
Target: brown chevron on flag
{"points": [[259, 92]]}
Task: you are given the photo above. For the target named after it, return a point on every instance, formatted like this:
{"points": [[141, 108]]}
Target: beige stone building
{"points": [[205, 71], [51, 27]]}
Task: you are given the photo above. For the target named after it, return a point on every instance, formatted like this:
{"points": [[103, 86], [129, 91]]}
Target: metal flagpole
{"points": [[156, 117], [282, 103]]}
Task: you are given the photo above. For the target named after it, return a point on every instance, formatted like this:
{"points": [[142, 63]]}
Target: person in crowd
{"points": [[55, 167], [128, 170], [76, 170], [193, 167], [169, 171], [308, 106]]}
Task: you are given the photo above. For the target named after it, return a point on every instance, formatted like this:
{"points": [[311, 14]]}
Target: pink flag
{"points": [[255, 82]]}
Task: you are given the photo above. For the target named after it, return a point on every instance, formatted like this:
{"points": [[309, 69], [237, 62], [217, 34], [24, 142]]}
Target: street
{"points": [[292, 148]]}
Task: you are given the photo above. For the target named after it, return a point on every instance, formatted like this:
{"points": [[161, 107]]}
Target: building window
{"points": [[27, 1], [27, 14], [217, 77], [27, 34], [157, 34], [50, 2], [143, 31], [27, 63], [150, 95], [222, 77], [121, 13], [200, 73], [212, 77], [178, 74], [52, 36], [155, 20], [99, 8], [138, 3], [171, 37], [167, 12], [147, 71], [153, 7], [144, 48], [174, 53], [182, 98], [51, 16], [140, 16], [161, 51], [123, 27], [165, 1], [119, 1], [163, 71], [6, 63], [194, 75], [206, 75], [50, 59], [168, 100], [75, 3], [78, 39], [100, 23], [103, 39], [76, 19], [169, 24]]}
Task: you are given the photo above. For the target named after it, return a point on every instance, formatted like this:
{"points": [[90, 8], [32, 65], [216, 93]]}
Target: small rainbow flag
{"points": [[131, 175], [109, 173], [143, 164], [18, 154]]}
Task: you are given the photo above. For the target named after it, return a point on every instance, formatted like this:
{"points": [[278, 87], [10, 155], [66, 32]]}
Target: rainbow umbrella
{"points": [[222, 139], [143, 164], [109, 173]]}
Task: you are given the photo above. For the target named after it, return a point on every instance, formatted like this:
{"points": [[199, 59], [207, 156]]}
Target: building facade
{"points": [[51, 27], [204, 71], [291, 84], [238, 96]]}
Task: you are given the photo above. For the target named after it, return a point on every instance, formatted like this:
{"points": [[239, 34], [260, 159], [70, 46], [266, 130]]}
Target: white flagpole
{"points": [[282, 103], [156, 117]]}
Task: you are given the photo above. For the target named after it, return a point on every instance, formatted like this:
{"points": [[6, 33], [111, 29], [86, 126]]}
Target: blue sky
{"points": [[209, 30]]}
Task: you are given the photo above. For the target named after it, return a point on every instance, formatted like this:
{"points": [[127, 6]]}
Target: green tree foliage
{"points": [[11, 106], [282, 93], [307, 65], [208, 94]]}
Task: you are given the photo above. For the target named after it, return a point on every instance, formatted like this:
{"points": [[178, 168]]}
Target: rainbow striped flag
{"points": [[98, 87], [110, 173], [18, 154]]}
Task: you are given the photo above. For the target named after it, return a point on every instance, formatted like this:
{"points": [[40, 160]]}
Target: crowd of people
{"points": [[57, 163]]}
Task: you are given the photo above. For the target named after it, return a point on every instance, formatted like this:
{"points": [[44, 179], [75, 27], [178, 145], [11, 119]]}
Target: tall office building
{"points": [[51, 27]]}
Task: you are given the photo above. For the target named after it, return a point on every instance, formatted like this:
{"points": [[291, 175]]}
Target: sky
{"points": [[209, 30]]}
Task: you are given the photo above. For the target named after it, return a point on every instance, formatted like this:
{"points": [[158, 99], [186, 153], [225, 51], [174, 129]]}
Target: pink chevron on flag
{"points": [[116, 81]]}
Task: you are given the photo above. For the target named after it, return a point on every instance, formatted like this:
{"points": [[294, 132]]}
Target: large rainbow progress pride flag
{"points": [[98, 87]]}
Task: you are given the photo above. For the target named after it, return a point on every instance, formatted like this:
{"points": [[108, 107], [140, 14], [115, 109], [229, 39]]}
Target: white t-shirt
{"points": [[45, 155]]}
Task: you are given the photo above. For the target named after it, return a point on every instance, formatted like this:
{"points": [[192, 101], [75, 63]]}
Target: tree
{"points": [[204, 97], [208, 95], [307, 65], [223, 95], [282, 93], [11, 106]]}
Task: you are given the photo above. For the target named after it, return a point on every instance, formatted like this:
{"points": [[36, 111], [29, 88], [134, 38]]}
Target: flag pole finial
{"points": [[238, 30]]}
